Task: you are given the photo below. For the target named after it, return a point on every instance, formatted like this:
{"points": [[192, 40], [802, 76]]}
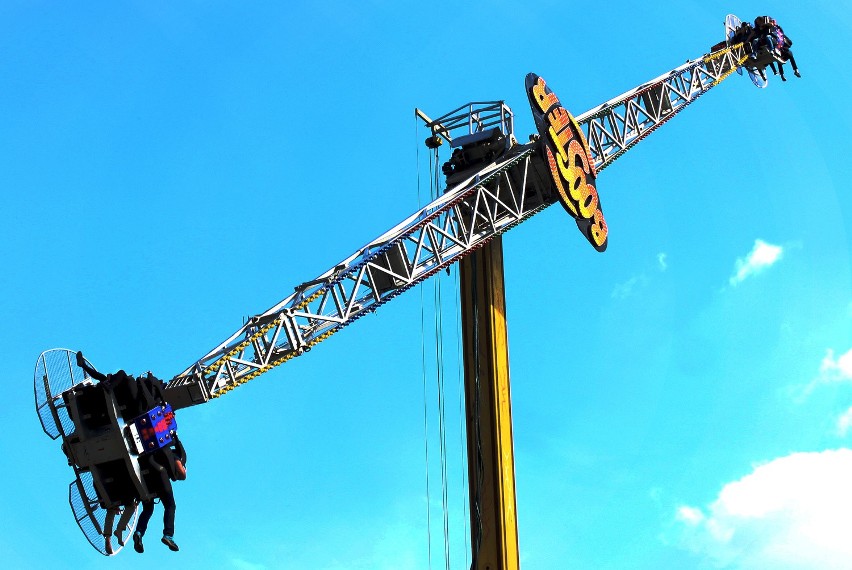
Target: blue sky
{"points": [[680, 401]]}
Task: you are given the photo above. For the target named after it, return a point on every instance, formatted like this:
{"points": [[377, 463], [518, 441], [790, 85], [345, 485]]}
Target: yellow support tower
{"points": [[491, 461]]}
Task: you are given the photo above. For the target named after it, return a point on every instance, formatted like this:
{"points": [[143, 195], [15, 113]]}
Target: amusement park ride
{"points": [[493, 183]]}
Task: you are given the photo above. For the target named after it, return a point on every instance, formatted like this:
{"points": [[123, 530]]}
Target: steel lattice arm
{"points": [[616, 126], [495, 199]]}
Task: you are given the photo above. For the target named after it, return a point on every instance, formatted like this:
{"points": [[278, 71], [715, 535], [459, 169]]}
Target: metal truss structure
{"points": [[487, 203], [614, 127], [473, 117], [491, 201]]}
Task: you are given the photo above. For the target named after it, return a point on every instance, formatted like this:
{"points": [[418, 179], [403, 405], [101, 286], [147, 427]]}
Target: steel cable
{"points": [[439, 374], [423, 373]]}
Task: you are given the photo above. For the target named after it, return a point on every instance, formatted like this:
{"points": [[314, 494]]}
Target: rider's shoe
{"points": [[169, 541], [137, 543]]}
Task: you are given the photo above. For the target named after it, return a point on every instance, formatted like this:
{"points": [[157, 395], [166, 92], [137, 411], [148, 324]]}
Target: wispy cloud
{"points": [[761, 256], [831, 370], [640, 280], [790, 513], [627, 288], [836, 369], [689, 515], [844, 422], [241, 564]]}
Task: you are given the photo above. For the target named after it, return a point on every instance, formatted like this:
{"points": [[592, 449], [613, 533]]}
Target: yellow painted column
{"points": [[491, 462]]}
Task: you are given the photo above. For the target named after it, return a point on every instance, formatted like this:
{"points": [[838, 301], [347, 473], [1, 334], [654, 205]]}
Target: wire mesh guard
{"points": [[104, 529], [56, 371]]}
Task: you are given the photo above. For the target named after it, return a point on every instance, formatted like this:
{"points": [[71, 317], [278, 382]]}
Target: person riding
{"points": [[137, 395], [763, 34], [768, 34], [783, 51], [744, 34], [167, 465], [164, 465]]}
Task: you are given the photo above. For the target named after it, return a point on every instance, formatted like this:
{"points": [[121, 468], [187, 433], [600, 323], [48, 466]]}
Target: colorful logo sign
{"points": [[156, 427], [569, 158]]}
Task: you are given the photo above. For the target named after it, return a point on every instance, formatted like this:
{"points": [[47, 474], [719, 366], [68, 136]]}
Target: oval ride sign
{"points": [[569, 159]]}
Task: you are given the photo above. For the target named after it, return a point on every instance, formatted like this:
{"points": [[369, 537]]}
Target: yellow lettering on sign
{"points": [[571, 164], [584, 195], [589, 202], [560, 140], [559, 118], [578, 156], [586, 147], [599, 229], [545, 100], [557, 181]]}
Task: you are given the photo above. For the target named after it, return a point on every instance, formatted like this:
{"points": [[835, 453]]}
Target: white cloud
{"points": [[241, 564], [624, 290], [844, 422], [761, 256], [689, 515], [831, 370], [836, 369], [792, 513], [639, 281]]}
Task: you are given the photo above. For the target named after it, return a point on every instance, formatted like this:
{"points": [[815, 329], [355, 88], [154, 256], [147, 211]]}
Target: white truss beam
{"points": [[491, 201]]}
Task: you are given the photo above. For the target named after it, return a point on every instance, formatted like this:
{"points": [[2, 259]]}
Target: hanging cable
{"points": [[425, 423], [480, 474], [460, 379], [439, 373], [417, 154], [442, 421], [423, 373]]}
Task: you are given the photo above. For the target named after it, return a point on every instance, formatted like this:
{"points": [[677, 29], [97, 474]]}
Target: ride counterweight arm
{"points": [[498, 197]]}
